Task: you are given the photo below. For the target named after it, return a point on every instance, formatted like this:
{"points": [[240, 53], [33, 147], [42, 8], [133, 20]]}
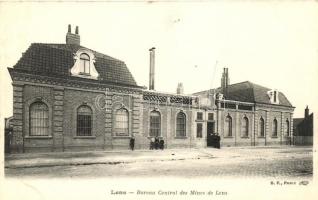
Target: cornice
{"points": [[20, 78]]}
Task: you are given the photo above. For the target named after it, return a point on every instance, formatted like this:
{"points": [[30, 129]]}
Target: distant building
{"points": [[69, 97], [303, 129], [250, 114]]}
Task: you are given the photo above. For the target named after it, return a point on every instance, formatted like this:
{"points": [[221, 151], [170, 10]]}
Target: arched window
{"points": [[274, 133], [228, 126], [85, 63], [121, 122], [155, 124], [84, 121], [245, 127], [39, 119], [287, 128], [261, 127], [181, 125]]}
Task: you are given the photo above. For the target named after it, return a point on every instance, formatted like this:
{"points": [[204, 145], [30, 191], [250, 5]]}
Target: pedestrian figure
{"points": [[218, 141], [161, 144], [152, 143], [132, 143], [156, 142], [213, 140]]}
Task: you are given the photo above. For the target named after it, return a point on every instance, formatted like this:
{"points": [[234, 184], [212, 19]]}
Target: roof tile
{"points": [[250, 92], [57, 60]]}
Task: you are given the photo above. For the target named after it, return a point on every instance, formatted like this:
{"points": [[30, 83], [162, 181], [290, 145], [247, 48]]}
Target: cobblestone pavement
{"points": [[291, 162]]}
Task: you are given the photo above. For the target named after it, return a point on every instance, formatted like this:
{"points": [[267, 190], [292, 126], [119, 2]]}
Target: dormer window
{"points": [[85, 63], [84, 66], [273, 96]]}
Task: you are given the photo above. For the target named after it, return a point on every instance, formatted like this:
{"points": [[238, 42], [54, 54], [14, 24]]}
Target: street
{"points": [[235, 162]]}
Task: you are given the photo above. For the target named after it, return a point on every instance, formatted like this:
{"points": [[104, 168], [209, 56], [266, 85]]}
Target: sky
{"points": [[274, 44]]}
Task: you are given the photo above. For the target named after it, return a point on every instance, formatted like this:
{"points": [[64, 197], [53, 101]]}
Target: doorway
{"points": [[209, 131]]}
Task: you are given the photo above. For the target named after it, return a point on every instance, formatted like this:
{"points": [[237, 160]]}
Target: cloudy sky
{"points": [[272, 44]]}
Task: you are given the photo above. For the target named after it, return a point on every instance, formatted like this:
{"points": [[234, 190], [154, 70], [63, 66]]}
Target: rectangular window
{"points": [[228, 126], [199, 130], [39, 119], [121, 123], [199, 116], [154, 126], [210, 116], [228, 105], [181, 125], [244, 107], [82, 66], [84, 125]]}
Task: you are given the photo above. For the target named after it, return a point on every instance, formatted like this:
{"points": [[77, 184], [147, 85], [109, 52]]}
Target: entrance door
{"points": [[210, 130]]}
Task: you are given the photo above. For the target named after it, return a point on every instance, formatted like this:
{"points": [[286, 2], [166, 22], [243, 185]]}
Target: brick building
{"points": [[304, 129], [250, 114], [69, 97]]}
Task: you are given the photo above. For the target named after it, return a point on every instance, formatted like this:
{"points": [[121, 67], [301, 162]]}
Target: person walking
{"points": [[152, 143], [161, 144], [156, 142], [213, 140], [132, 143], [218, 141]]}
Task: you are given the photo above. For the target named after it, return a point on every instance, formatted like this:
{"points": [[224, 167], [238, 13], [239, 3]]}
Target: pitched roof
{"points": [[250, 92], [297, 121], [57, 60]]}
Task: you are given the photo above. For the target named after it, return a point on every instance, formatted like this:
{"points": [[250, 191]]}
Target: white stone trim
{"points": [[75, 70]]}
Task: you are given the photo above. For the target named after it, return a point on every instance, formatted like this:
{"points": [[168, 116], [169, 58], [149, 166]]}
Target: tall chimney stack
{"points": [[225, 81], [69, 28], [72, 38], [152, 69], [306, 112], [76, 30], [180, 88]]}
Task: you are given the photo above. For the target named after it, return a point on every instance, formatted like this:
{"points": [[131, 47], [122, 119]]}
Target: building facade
{"points": [[69, 97], [250, 114], [304, 129]]}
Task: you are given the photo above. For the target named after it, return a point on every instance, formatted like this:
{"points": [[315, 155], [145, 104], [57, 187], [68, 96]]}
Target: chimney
{"points": [[72, 38], [69, 28], [306, 112], [180, 88], [225, 81], [152, 69]]}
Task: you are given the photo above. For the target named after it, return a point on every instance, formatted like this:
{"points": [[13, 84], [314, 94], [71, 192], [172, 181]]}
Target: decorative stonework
{"points": [[136, 115], [76, 70], [17, 138], [72, 83], [273, 96], [58, 113]]}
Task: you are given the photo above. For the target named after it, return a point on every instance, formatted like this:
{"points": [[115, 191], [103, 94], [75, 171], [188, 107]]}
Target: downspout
{"points": [[281, 129], [265, 126], [254, 126], [236, 116]]}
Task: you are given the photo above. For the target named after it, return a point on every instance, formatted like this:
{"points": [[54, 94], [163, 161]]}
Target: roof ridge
{"points": [[44, 43], [80, 46]]}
